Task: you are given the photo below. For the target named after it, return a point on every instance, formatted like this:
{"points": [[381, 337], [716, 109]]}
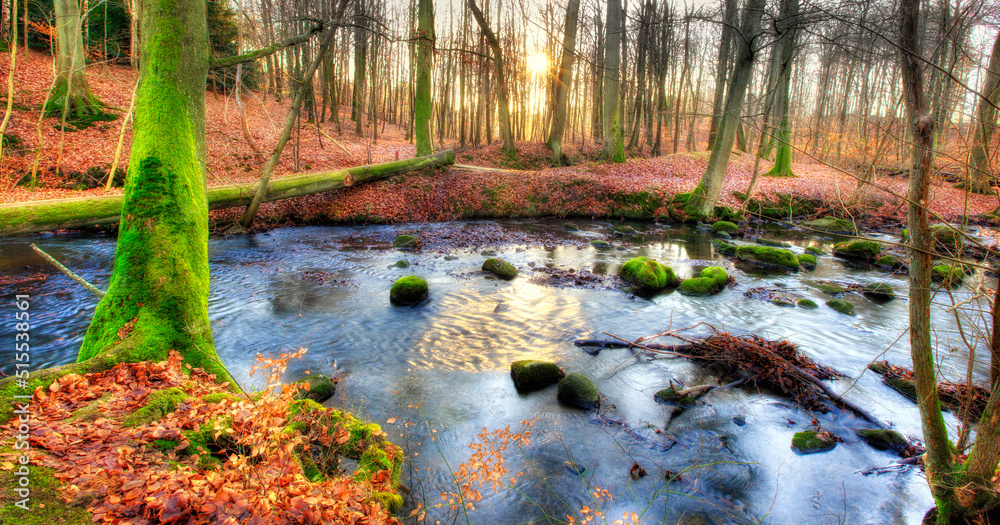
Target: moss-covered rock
{"points": [[648, 274], [831, 225], [812, 442], [812, 250], [807, 261], [321, 387], [883, 439], [841, 306], [725, 227], [827, 287], [946, 238], [717, 273], [400, 264], [948, 274], [405, 242], [623, 230], [886, 261], [781, 300], [570, 226], [698, 286], [773, 243], [530, 375], [724, 247], [575, 389], [500, 268], [808, 304], [860, 250], [880, 292], [768, 257], [670, 396], [600, 244], [158, 404], [408, 290]]}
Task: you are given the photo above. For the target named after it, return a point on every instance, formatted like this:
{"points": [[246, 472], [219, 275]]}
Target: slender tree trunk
{"points": [[706, 194], [722, 67], [788, 25], [978, 176], [501, 79], [614, 147], [422, 104], [563, 84]]}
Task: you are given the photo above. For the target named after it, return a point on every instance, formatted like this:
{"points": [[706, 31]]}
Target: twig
{"points": [[69, 273]]}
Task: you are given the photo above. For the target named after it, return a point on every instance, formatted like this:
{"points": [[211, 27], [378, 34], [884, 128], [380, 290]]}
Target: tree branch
{"points": [[250, 56]]}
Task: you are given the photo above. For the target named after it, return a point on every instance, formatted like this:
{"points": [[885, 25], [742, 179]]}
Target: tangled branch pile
{"points": [[957, 397]]}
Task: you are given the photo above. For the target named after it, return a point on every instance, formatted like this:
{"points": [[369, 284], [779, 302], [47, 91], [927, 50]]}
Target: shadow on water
{"points": [[439, 370]]}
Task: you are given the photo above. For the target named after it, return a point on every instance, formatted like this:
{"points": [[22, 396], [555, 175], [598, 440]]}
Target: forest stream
{"points": [[443, 365]]}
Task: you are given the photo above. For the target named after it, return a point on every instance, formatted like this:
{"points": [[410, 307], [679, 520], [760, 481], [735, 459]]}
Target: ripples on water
{"points": [[326, 288]]}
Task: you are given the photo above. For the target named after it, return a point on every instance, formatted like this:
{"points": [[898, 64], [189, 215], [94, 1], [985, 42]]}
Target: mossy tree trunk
{"points": [[423, 107], [563, 81], [958, 490], [70, 91], [787, 25], [706, 194], [978, 178], [614, 143], [157, 298]]}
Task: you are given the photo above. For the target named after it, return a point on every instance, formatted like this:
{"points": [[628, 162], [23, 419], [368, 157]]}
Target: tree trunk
{"points": [[978, 176], [498, 68], [157, 298], [422, 104], [787, 24], [721, 68], [563, 83], [79, 212], [71, 93], [706, 194], [614, 147]]}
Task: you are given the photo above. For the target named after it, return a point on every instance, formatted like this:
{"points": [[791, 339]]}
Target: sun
{"points": [[538, 63]]}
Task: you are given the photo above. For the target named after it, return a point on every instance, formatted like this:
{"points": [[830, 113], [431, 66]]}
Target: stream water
{"points": [[444, 365]]}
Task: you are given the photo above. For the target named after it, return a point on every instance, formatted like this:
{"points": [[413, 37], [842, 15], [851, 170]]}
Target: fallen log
{"points": [[78, 212]]}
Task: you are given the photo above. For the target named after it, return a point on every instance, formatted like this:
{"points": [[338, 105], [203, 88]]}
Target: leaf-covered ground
{"points": [[521, 185]]}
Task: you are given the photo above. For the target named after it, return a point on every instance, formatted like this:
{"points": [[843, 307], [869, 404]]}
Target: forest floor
{"points": [[521, 185]]}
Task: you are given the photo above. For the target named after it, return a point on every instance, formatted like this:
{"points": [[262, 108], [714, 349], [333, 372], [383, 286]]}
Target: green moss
{"points": [[600, 244], [879, 292], [781, 300], [400, 264], [530, 374], [780, 206], [724, 247], [886, 261], [408, 290], [698, 286], [158, 404], [773, 242], [831, 225], [43, 378], [725, 213], [810, 442], [807, 261], [648, 274], [310, 470], [863, 250], [321, 387], [500, 268], [717, 273], [808, 304], [947, 238], [725, 226], [827, 287], [904, 386], [44, 505], [812, 250], [389, 501], [623, 231], [669, 396], [217, 397], [575, 389], [883, 439], [841, 306], [166, 444], [767, 256], [634, 205], [405, 242], [948, 274], [682, 198], [570, 226]]}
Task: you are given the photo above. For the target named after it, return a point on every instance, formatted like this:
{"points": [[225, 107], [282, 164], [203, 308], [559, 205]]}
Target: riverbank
{"points": [[76, 163]]}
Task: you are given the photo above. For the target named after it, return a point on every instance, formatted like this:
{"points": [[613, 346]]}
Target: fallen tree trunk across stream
{"points": [[78, 212]]}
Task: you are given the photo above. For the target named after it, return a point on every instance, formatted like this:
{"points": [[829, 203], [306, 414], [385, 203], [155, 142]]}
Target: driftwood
{"points": [[69, 273], [957, 397], [775, 364], [78, 212]]}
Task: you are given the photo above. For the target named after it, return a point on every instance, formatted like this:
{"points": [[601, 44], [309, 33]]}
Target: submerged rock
{"points": [[575, 389], [648, 274], [773, 243], [405, 242], [807, 261], [570, 226], [812, 250], [883, 439], [768, 257], [827, 287], [812, 442], [947, 238], [400, 264], [500, 268], [831, 225], [321, 387], [861, 250], [408, 290], [713, 279], [599, 244], [623, 231], [841, 306], [670, 396], [530, 375], [948, 274], [808, 304]]}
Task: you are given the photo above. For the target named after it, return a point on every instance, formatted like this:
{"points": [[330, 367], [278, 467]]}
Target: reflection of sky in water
{"points": [[450, 355]]}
